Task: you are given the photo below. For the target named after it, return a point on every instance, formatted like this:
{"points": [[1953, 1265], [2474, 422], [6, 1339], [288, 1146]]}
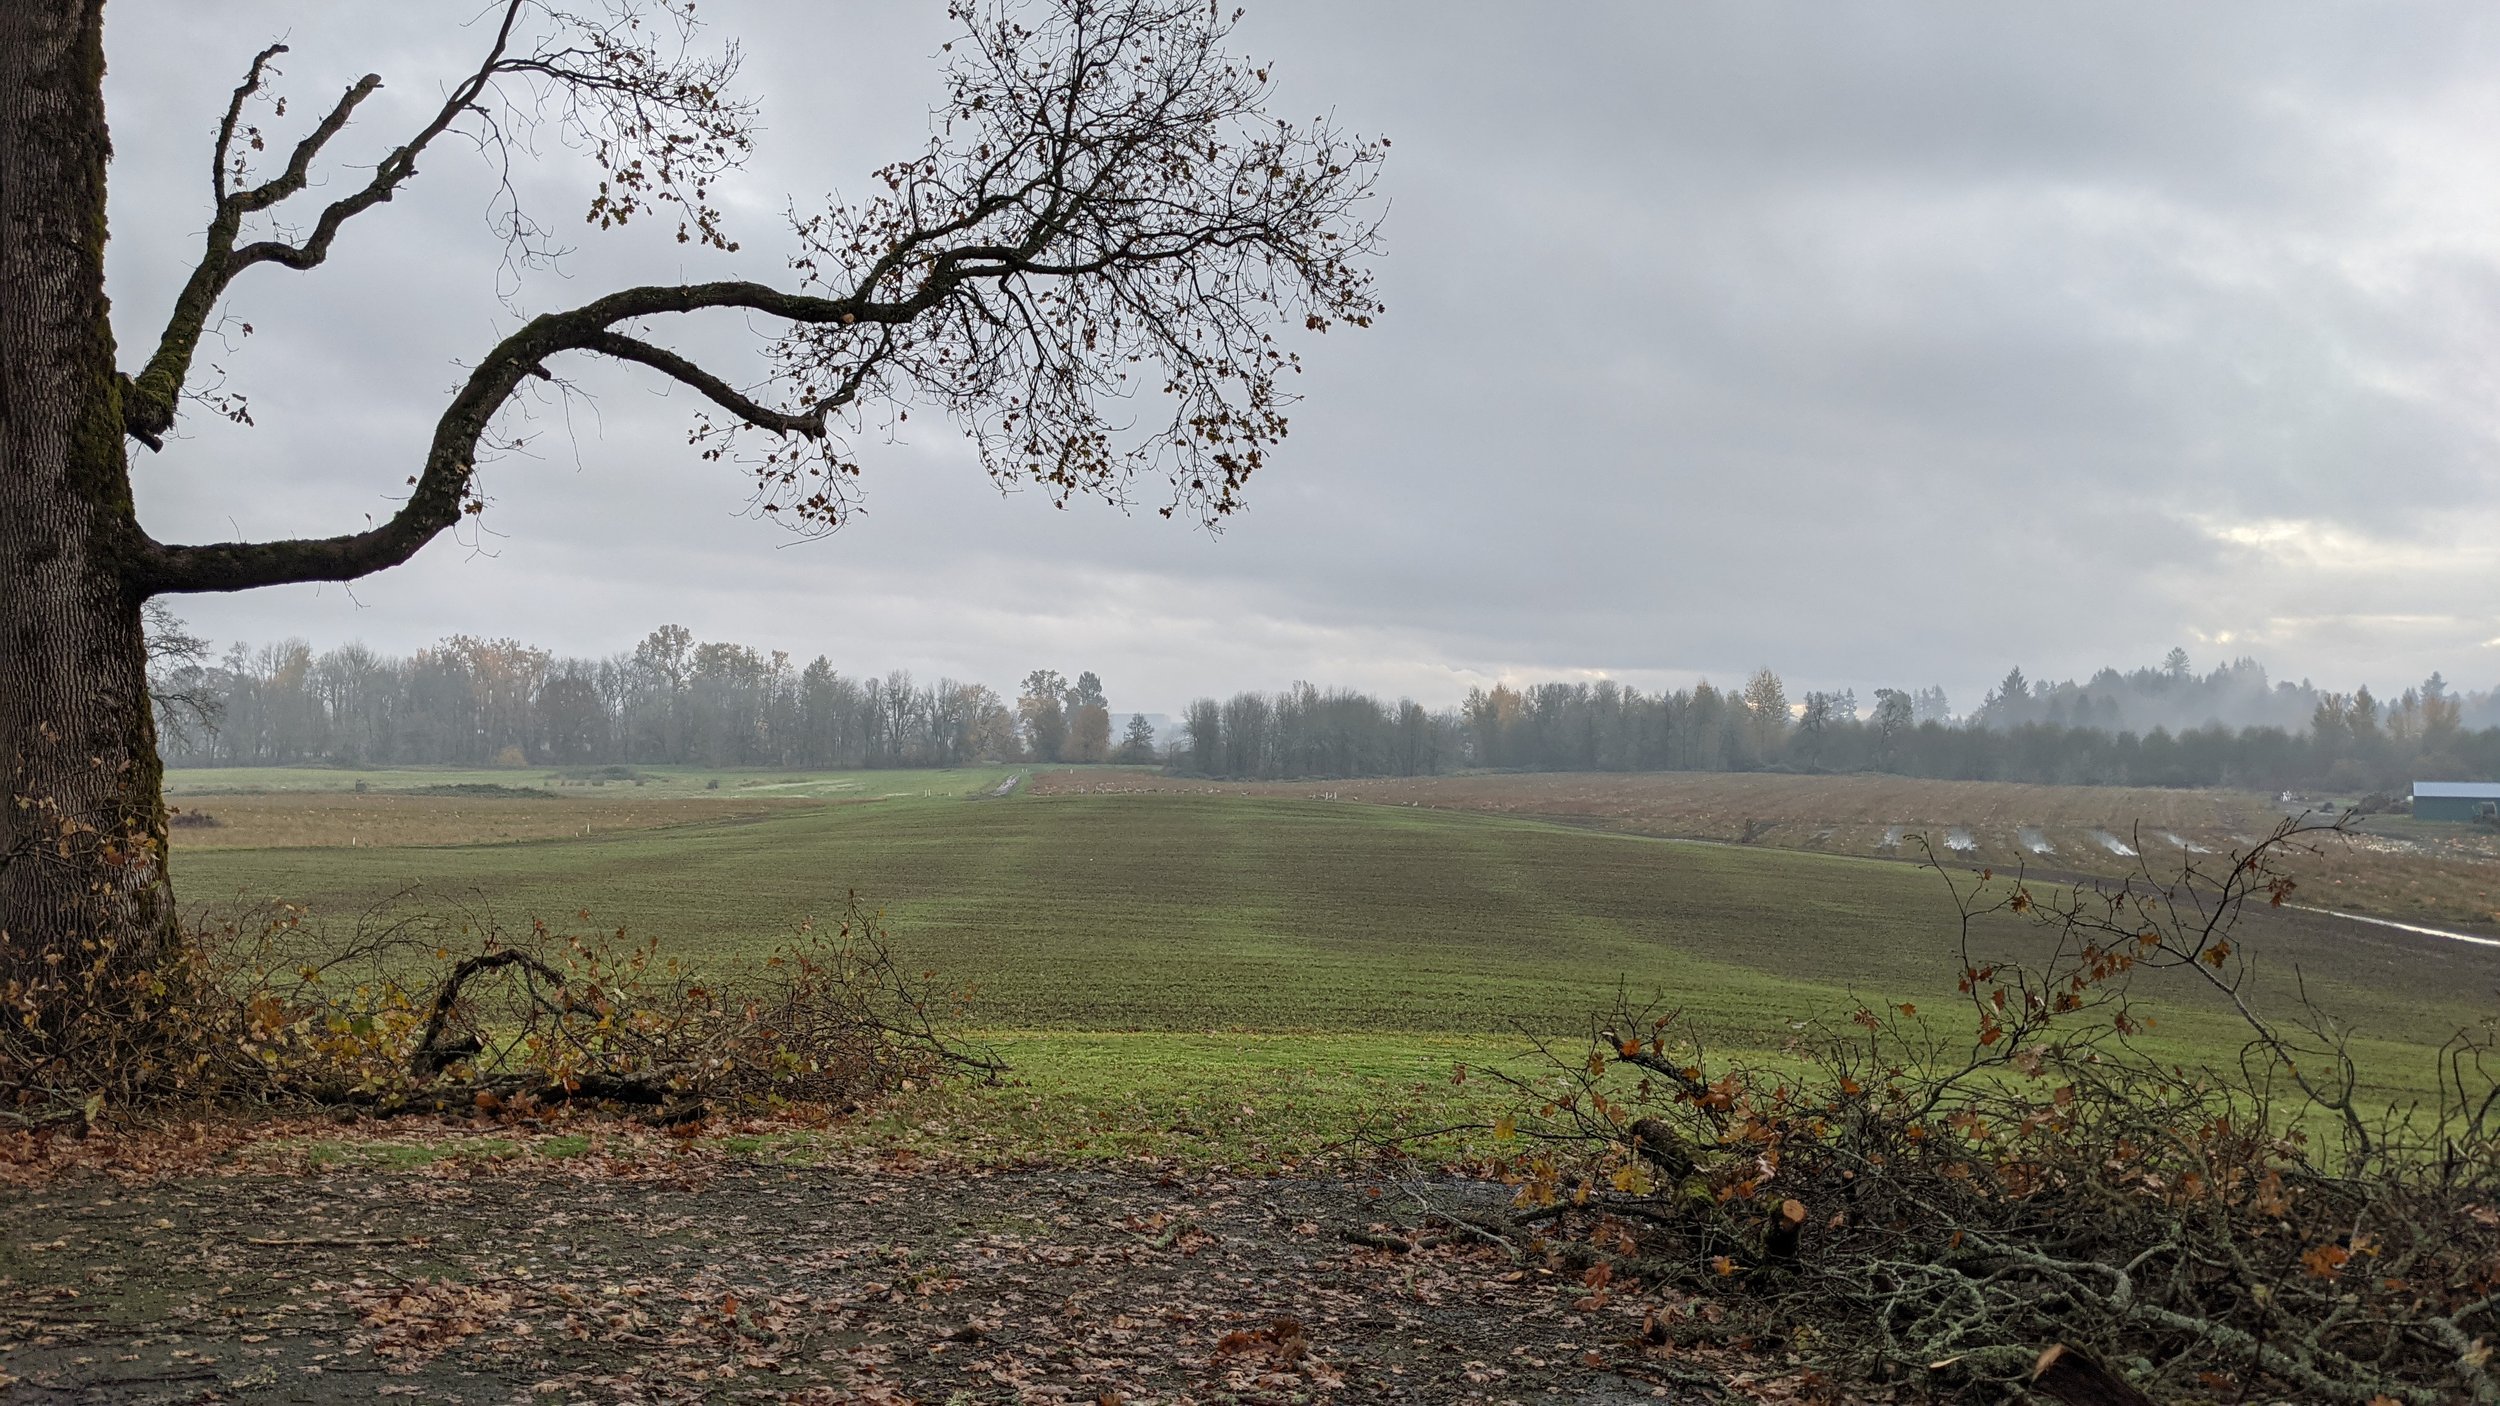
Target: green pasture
{"points": [[1179, 913], [1139, 947]]}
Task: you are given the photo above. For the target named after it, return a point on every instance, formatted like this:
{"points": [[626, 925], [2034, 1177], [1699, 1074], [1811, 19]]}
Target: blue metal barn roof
{"points": [[2466, 790]]}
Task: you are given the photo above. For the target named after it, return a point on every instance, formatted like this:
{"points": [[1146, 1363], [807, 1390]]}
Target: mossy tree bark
{"points": [[84, 907]]}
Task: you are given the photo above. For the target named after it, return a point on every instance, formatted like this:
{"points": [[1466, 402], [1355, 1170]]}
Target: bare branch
{"points": [[809, 423], [662, 124], [252, 79]]}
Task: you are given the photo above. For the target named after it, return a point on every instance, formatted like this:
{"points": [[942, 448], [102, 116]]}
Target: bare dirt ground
{"points": [[703, 1278], [344, 819]]}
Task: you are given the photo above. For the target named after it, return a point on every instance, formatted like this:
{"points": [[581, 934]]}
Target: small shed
{"points": [[2455, 800]]}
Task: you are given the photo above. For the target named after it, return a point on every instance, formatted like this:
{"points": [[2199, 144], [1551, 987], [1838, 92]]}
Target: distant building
{"points": [[2455, 800]]}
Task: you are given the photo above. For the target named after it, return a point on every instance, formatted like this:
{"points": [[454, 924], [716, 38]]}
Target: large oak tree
{"points": [[1085, 269]]}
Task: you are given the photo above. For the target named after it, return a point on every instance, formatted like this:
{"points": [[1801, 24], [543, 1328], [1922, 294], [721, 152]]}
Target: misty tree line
{"points": [[2174, 696], [2064, 733], [671, 699], [674, 699]]}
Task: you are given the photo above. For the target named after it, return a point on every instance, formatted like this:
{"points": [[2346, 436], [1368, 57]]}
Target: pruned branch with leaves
{"points": [[428, 1004], [1937, 1200]]}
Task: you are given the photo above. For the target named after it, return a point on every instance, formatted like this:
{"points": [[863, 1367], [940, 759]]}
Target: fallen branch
{"points": [[2065, 1375]]}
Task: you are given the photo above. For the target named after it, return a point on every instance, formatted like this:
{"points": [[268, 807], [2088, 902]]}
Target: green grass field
{"points": [[1150, 957], [1178, 913]]}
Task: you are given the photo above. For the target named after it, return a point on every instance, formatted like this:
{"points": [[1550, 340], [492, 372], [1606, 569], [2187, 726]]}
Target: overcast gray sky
{"points": [[1885, 344]]}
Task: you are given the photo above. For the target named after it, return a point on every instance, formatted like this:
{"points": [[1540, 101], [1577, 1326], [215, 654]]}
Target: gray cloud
{"points": [[1885, 344]]}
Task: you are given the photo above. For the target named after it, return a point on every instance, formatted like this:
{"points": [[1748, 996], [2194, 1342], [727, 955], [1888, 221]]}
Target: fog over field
{"points": [[1889, 345]]}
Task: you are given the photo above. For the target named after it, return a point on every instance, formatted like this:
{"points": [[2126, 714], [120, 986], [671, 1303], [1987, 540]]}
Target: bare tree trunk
{"points": [[85, 913]]}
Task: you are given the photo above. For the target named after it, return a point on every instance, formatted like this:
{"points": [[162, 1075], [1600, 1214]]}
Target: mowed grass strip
{"points": [[1176, 913]]}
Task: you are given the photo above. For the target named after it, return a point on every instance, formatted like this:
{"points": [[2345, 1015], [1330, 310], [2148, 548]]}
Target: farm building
{"points": [[2455, 800]]}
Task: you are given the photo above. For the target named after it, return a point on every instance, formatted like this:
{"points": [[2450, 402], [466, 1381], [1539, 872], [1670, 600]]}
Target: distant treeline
{"points": [[2172, 695], [2049, 733], [672, 699]]}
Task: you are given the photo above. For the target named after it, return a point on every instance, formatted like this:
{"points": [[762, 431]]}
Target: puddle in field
{"points": [[1958, 839], [2031, 839], [2113, 844]]}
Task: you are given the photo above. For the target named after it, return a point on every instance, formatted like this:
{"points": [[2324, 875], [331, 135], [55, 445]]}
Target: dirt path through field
{"points": [[752, 1282]]}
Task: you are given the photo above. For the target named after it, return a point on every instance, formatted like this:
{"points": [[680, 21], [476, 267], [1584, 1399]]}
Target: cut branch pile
{"points": [[1900, 1204], [423, 1010]]}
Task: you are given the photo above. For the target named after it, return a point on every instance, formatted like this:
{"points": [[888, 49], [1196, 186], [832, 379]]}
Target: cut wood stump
{"points": [[1779, 1243]]}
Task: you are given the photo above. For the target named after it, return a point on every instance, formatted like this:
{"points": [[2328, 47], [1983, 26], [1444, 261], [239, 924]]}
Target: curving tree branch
{"points": [[1108, 220], [808, 423], [442, 484]]}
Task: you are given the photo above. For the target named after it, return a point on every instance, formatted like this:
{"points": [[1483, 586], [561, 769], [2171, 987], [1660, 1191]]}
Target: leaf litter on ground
{"points": [[205, 1264]]}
